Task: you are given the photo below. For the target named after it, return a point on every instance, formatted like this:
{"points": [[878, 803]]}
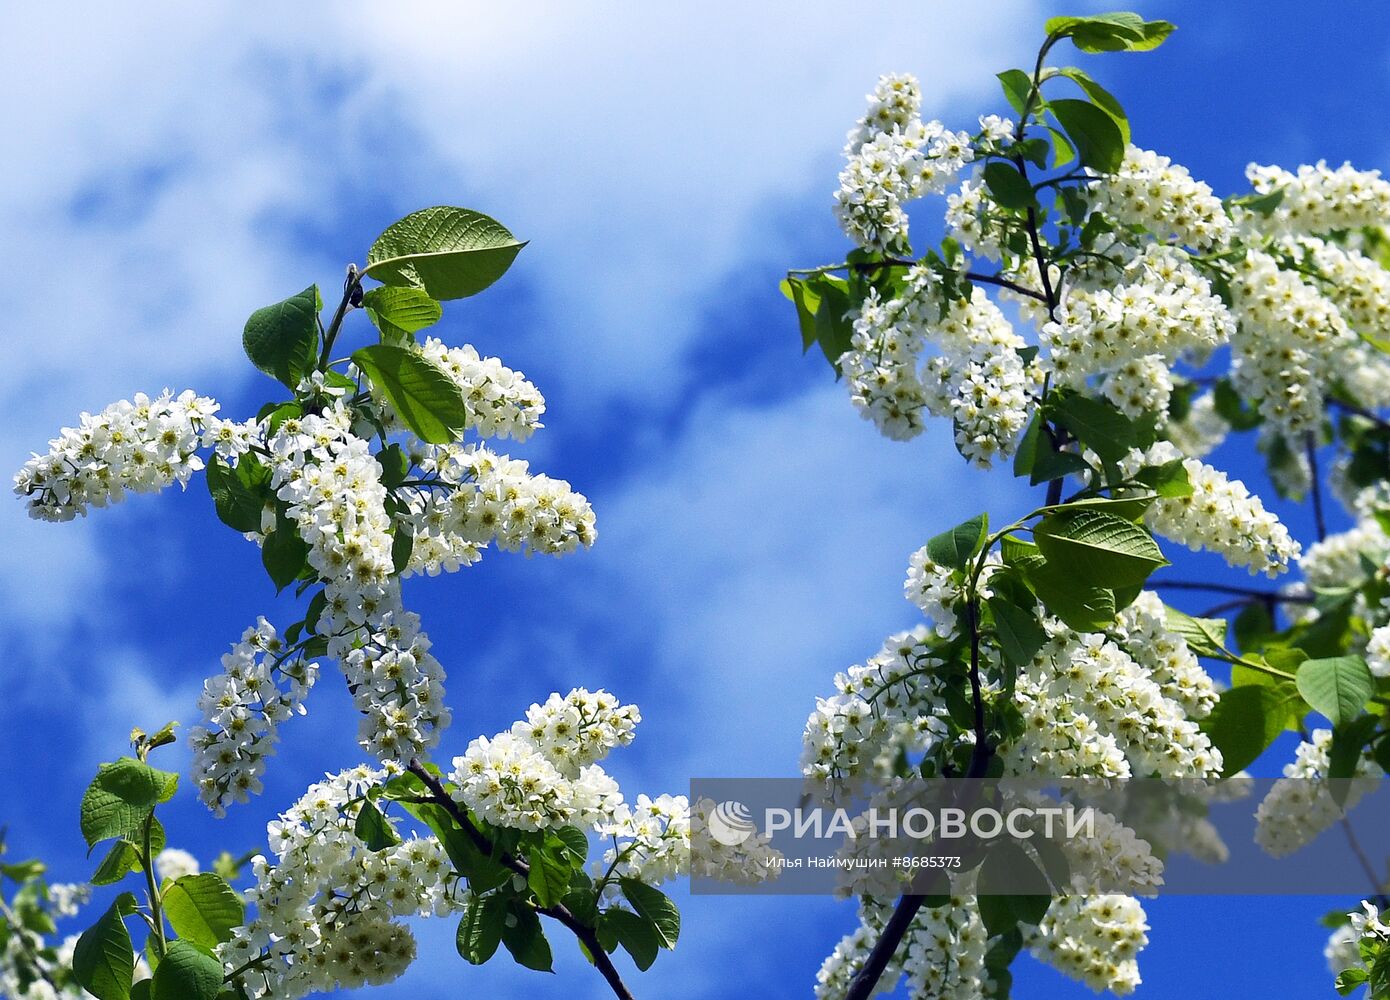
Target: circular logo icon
{"points": [[730, 823]]}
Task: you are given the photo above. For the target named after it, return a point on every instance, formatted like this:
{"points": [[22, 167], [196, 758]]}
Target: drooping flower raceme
{"points": [[1299, 806], [140, 445]]}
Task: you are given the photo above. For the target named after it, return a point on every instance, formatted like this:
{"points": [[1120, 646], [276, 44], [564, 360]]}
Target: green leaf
{"points": [[656, 908], [1067, 595], [448, 252], [806, 298], [395, 465], [1204, 636], [284, 553], [1012, 888], [282, 340], [203, 909], [103, 961], [1008, 187], [526, 940], [480, 927], [1336, 686], [186, 973], [238, 505], [834, 328], [1017, 85], [955, 548], [398, 312], [1097, 137], [1245, 721], [549, 875], [402, 545], [575, 843], [422, 394], [121, 860], [1115, 32], [1167, 480], [1105, 549], [1253, 626], [1063, 152], [1020, 634], [637, 936], [1099, 426], [1099, 96], [121, 797]]}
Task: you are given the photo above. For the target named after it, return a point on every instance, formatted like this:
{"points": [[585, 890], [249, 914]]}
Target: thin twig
{"points": [[559, 912], [1226, 588]]}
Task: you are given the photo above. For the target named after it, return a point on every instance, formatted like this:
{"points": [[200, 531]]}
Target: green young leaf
{"points": [[480, 927], [1167, 480], [1245, 721], [284, 553], [121, 797], [1067, 595], [402, 545], [1103, 548], [1099, 96], [1016, 85], [398, 312], [421, 393], [637, 936], [656, 908], [1099, 426], [373, 829], [1204, 636], [806, 298], [549, 875], [834, 328], [103, 961], [203, 909], [450, 253], [955, 548], [186, 973], [238, 505], [1020, 635], [1115, 32], [526, 941], [1336, 686], [395, 465], [122, 859], [1097, 137], [1008, 187], [282, 340]]}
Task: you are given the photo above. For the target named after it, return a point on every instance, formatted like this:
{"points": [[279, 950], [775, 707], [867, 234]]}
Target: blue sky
{"points": [[172, 168]]}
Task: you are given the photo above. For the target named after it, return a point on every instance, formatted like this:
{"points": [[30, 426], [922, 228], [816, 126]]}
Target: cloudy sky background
{"points": [[170, 169]]}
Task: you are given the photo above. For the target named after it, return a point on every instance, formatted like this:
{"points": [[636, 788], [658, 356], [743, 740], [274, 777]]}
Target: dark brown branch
{"points": [[1310, 445], [862, 986], [1254, 593], [559, 912]]}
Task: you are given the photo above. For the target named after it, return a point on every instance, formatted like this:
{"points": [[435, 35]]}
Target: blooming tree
{"points": [[372, 468], [1097, 321]]}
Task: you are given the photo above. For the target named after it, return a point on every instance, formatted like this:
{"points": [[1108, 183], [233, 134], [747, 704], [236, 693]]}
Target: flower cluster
{"points": [[894, 157], [328, 910], [501, 402], [542, 774], [1094, 939], [1161, 308], [1317, 200], [1299, 806], [1357, 943], [137, 446], [1166, 656], [1091, 711], [1288, 343], [1220, 515], [892, 700], [261, 685], [665, 838], [978, 379], [1152, 191]]}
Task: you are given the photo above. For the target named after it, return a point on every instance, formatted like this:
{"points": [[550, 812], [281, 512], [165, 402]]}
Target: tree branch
{"points": [[559, 912], [1225, 588]]}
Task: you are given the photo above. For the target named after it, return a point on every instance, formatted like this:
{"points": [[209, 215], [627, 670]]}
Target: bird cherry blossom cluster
{"points": [[1100, 319]]}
